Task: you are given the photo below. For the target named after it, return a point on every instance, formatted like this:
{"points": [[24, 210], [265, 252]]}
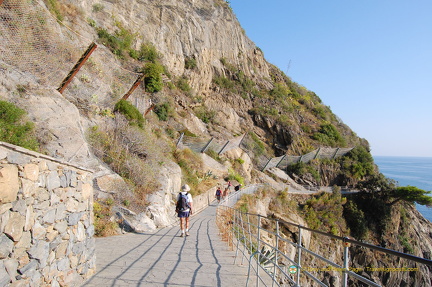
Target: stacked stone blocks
{"points": [[46, 220]]}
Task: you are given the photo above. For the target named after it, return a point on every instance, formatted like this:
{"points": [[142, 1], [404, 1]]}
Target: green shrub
{"points": [[323, 212], [163, 111], [280, 90], [102, 220], [355, 220], [188, 133], [190, 163], [329, 135], [235, 176], [153, 77], [54, 7], [21, 89], [147, 52], [224, 83], [120, 43], [98, 7], [358, 163], [183, 85], [190, 63], [170, 132], [12, 128], [91, 22], [130, 112], [213, 154], [320, 112], [204, 114]]}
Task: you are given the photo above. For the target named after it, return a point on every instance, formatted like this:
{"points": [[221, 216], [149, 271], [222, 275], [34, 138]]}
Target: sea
{"points": [[414, 171]]}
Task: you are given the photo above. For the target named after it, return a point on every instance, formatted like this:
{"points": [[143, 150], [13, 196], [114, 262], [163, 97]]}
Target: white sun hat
{"points": [[185, 188]]}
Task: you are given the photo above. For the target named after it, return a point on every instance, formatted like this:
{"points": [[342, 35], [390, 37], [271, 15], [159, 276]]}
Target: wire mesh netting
{"points": [[257, 152], [198, 144], [34, 43]]}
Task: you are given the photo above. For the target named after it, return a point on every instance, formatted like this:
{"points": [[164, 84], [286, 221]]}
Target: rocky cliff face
{"points": [[206, 31]]}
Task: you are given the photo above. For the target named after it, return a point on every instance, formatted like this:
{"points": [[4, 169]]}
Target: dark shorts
{"points": [[218, 197], [183, 214]]}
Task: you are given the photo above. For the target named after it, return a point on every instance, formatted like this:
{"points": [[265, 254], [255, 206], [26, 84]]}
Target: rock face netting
{"points": [[262, 161], [33, 43], [43, 49]]}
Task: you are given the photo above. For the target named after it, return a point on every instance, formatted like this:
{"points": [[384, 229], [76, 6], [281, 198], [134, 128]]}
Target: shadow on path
{"points": [[163, 258]]}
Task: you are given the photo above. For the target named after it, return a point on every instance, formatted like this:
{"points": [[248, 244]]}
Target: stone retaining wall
{"points": [[46, 220]]}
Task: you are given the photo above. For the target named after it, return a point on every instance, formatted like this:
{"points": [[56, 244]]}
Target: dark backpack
{"points": [[182, 203]]}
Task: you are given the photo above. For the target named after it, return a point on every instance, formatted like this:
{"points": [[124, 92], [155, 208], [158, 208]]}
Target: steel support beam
{"points": [[77, 67]]}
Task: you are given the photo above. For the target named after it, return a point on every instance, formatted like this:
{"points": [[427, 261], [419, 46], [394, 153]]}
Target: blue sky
{"points": [[370, 61]]}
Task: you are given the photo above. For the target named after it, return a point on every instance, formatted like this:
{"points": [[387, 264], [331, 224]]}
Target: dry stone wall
{"points": [[46, 220]]}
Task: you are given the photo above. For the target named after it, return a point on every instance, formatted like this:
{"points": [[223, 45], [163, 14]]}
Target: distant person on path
{"points": [[237, 188], [218, 194], [184, 209], [226, 190]]}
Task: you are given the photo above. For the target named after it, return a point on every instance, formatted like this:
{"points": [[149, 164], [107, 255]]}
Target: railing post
{"points": [[180, 139], [221, 151], [258, 249], [249, 246], [284, 156], [276, 253], [345, 263], [265, 166], [335, 154], [237, 236], [234, 222], [299, 250], [317, 153], [239, 145], [206, 146]]}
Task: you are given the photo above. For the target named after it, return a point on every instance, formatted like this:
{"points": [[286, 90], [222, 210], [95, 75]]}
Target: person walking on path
{"points": [[218, 194], [184, 209], [226, 190]]}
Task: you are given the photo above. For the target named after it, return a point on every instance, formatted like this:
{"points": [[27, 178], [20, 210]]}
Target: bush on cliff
{"points": [[130, 112], [14, 129], [153, 77]]}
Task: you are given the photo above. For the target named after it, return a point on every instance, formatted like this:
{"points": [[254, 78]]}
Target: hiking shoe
{"points": [[187, 233], [182, 235]]}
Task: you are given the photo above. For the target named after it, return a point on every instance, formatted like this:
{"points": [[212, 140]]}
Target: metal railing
{"points": [[259, 240]]}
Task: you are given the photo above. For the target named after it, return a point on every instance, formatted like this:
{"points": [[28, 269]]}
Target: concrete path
{"points": [[162, 258]]}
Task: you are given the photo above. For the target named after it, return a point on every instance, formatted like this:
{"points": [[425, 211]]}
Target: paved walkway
{"points": [[162, 258]]}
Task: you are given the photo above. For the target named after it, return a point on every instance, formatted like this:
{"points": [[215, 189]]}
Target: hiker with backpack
{"points": [[218, 194], [184, 209]]}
